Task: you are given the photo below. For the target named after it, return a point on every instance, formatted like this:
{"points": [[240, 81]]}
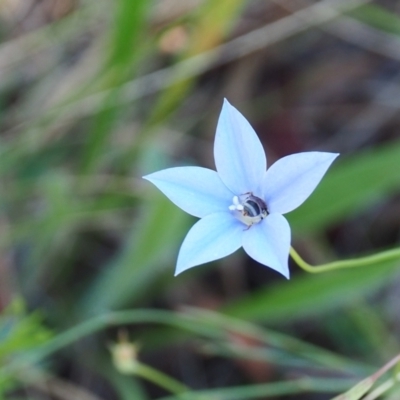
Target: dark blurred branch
{"points": [[314, 15]]}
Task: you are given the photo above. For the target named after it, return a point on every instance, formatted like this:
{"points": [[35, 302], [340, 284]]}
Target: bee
{"points": [[254, 208], [249, 209]]}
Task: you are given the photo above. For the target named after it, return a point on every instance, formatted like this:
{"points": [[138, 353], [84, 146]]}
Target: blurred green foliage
{"points": [[19, 333], [95, 94]]}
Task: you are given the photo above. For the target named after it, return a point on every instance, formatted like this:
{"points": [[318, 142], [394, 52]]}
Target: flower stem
{"points": [[159, 378], [352, 263]]}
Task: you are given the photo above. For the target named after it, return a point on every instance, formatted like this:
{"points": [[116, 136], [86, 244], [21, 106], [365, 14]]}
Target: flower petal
{"points": [[213, 237], [198, 191], [268, 243], [239, 155], [290, 180]]}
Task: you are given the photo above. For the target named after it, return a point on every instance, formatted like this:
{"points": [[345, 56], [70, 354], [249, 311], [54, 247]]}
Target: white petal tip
{"points": [[330, 157], [285, 272], [287, 276], [148, 177], [179, 270]]}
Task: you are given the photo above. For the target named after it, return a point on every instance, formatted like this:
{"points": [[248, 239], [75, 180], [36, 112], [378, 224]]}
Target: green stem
{"points": [[271, 389], [352, 263], [177, 388], [157, 377], [381, 389]]}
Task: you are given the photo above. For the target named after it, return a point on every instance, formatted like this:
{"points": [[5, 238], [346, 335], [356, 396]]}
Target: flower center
{"points": [[248, 209]]}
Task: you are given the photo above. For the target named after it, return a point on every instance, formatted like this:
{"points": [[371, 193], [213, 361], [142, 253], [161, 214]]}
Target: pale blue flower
{"points": [[242, 203]]}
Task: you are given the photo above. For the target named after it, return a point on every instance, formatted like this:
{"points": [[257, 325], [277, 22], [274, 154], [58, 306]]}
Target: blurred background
{"points": [[95, 94]]}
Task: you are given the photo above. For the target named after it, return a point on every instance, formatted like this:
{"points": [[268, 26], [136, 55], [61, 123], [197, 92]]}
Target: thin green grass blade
{"points": [[126, 42], [377, 17], [311, 295], [267, 390]]}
